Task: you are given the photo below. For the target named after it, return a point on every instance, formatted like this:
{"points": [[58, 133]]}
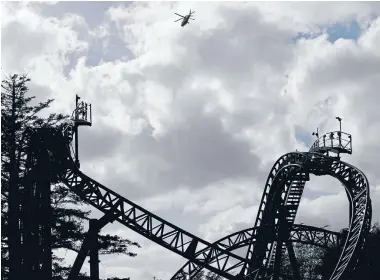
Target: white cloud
{"points": [[188, 121]]}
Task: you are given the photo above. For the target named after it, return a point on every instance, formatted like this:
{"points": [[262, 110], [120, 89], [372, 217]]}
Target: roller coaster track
{"points": [[299, 234], [281, 200], [131, 215], [273, 225]]}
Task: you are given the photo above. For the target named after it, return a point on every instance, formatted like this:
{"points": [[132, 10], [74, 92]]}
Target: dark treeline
{"points": [[68, 227], [318, 263], [368, 266]]}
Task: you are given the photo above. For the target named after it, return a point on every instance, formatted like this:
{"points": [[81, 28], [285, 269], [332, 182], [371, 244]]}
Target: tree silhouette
{"points": [[18, 113], [368, 266]]}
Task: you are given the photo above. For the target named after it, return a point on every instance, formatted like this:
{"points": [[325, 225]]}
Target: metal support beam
{"points": [[95, 227], [76, 134], [82, 254], [283, 234], [94, 253], [277, 260], [293, 261]]}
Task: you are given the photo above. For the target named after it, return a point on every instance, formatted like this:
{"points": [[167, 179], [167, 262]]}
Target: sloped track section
{"points": [[299, 234], [151, 226], [124, 211]]}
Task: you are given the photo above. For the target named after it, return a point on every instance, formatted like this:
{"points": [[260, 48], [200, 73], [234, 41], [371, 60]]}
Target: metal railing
{"points": [[336, 141]]}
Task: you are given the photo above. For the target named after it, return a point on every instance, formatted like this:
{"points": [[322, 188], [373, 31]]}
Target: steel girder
{"points": [[299, 233], [314, 236], [151, 226]]}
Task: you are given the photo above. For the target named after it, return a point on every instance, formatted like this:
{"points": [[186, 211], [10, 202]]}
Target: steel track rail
{"points": [[267, 194], [151, 226], [288, 175], [299, 234], [291, 177]]}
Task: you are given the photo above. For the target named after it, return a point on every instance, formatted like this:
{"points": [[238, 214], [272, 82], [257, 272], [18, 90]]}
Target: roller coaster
{"points": [[51, 158]]}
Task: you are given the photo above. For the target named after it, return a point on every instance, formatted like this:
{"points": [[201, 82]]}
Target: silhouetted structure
{"points": [[272, 235]]}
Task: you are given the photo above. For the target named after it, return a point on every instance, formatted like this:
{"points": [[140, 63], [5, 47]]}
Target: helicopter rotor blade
{"points": [[179, 15], [177, 20]]}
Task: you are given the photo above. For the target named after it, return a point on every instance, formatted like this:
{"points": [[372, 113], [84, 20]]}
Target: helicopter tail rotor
{"points": [[190, 14]]}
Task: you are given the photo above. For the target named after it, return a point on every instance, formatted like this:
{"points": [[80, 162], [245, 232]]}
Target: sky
{"points": [[188, 121]]}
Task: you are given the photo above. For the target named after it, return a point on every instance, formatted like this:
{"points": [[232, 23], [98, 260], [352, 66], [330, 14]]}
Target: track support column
{"points": [[94, 253], [293, 261], [90, 242]]}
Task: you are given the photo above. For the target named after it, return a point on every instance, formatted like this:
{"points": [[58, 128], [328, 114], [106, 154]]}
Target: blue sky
{"points": [[93, 13], [345, 31], [304, 136], [342, 30]]}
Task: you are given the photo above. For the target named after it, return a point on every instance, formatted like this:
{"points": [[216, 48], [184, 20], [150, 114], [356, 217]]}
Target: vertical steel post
{"points": [[87, 243], [293, 261], [94, 250], [76, 132]]}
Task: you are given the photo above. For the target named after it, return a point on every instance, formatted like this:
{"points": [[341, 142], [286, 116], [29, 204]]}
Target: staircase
{"points": [[291, 205]]}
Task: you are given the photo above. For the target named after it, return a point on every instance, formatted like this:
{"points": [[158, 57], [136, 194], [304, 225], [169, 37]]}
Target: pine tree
{"points": [[18, 113]]}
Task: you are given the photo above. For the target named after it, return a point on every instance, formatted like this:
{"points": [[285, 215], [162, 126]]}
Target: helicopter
{"points": [[185, 19]]}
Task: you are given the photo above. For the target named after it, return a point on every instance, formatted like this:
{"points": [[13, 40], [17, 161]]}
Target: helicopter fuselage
{"points": [[185, 20]]}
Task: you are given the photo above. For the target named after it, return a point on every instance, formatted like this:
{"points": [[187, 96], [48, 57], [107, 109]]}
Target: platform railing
{"points": [[336, 141]]}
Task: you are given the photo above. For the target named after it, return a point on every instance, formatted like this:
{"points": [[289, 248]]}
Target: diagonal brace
{"points": [[86, 245]]}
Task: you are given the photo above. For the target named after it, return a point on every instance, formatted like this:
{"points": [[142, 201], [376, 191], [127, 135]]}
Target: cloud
{"points": [[188, 121]]}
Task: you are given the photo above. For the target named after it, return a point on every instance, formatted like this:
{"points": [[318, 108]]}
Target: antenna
{"points": [[340, 123]]}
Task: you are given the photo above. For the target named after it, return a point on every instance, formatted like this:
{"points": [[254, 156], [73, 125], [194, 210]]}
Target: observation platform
{"points": [[82, 114], [336, 142]]}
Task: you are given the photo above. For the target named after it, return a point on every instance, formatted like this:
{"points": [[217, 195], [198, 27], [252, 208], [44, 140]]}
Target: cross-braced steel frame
{"points": [[299, 234], [274, 230]]}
